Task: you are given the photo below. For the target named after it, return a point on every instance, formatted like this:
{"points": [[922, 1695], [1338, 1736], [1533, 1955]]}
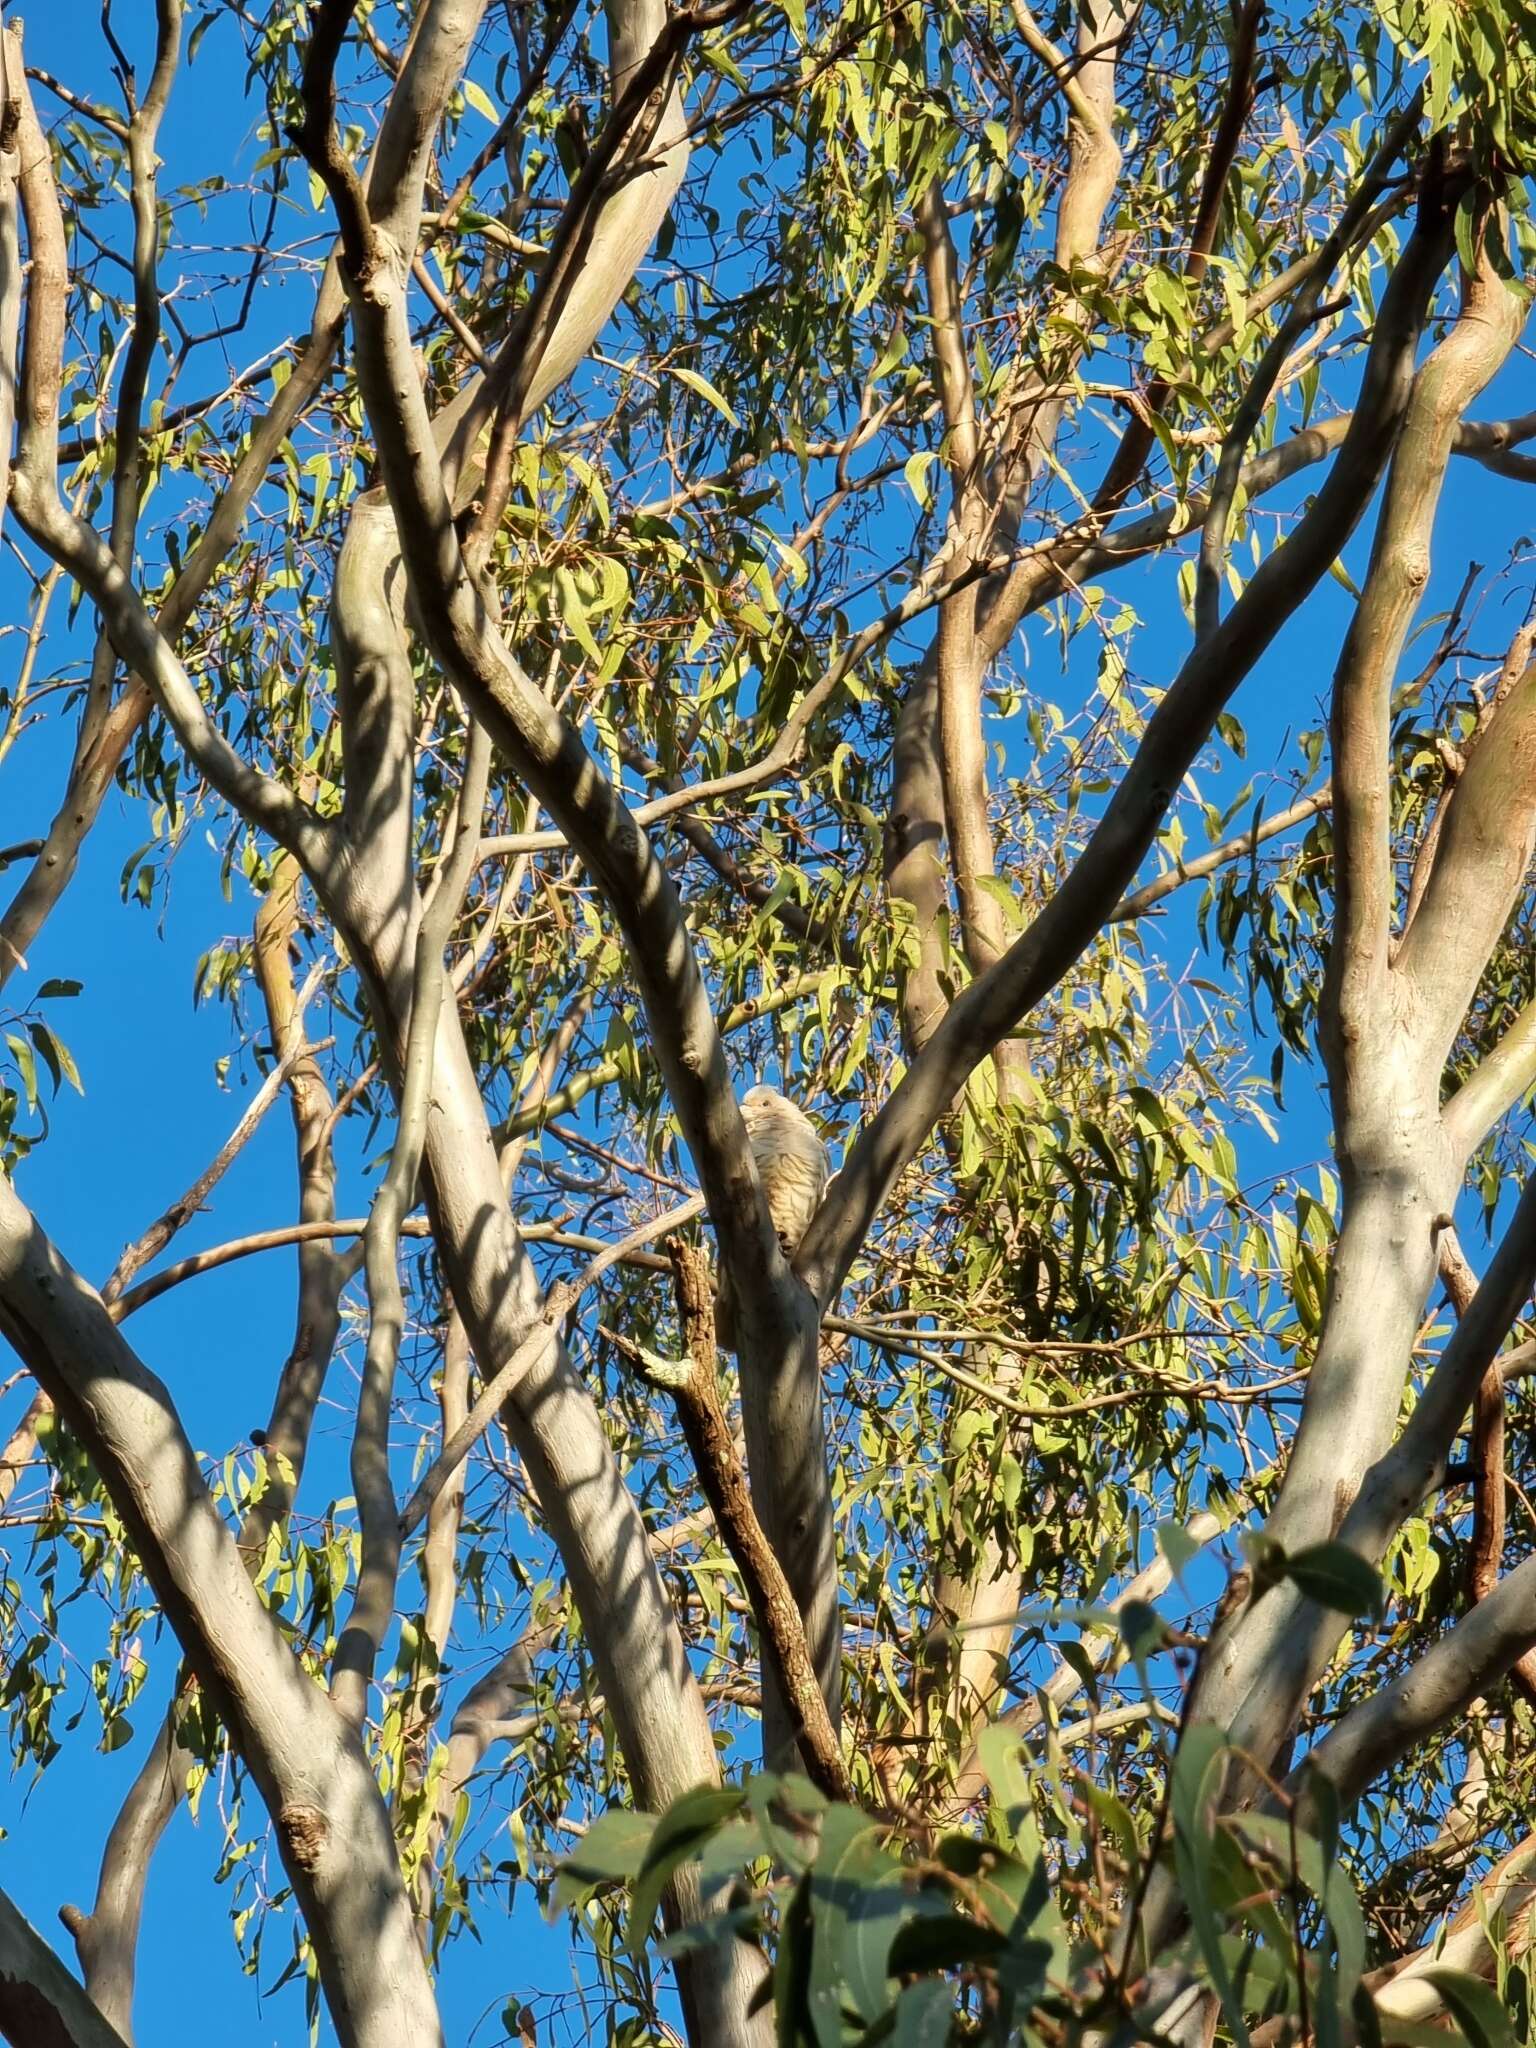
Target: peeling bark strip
{"points": [[1485, 1551], [691, 1384]]}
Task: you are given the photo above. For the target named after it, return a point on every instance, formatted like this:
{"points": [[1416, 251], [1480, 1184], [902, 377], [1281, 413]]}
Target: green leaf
{"points": [[1337, 1578], [682, 1831], [1300, 1855], [1475, 2007], [859, 1898], [480, 100], [943, 1941], [915, 470], [1141, 1628], [924, 2013], [574, 614], [1178, 1546], [706, 390], [1198, 1766], [1015, 1896], [612, 1850], [1036, 1934], [792, 1969]]}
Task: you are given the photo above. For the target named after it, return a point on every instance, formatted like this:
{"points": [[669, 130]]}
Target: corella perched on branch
{"points": [[791, 1163]]}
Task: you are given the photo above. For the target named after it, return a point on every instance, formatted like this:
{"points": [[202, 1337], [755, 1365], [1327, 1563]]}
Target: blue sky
{"points": [[115, 1157]]}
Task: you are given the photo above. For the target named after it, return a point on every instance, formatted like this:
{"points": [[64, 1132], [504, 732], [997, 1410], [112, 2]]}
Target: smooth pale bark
{"points": [[591, 1516], [993, 1005], [333, 1832], [1293, 1637], [563, 1441], [614, 244], [1386, 1025], [1383, 1040], [41, 2005]]}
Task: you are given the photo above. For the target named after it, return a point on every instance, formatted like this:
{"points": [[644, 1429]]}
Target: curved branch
{"points": [[545, 1334], [79, 548], [1359, 1015], [1463, 1664], [993, 1004], [333, 1831], [1495, 1084]]}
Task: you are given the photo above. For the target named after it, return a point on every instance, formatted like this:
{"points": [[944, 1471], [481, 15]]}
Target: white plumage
{"points": [[791, 1163]]}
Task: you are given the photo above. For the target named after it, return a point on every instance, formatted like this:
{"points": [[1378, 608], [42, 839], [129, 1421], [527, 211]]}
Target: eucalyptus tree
{"points": [[661, 603]]}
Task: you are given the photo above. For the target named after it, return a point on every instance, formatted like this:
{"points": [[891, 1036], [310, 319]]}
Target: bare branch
{"points": [[1245, 844], [68, 540], [544, 1336], [373, 1599], [151, 1242], [994, 1004], [1466, 1662], [1359, 1014]]}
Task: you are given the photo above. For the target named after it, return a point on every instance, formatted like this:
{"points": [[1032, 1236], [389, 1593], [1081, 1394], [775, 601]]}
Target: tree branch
{"points": [[691, 1383], [1467, 1661], [151, 1242], [106, 1938], [1178, 728], [69, 541], [1359, 1015], [40, 2002], [373, 1600], [545, 1334], [333, 1832]]}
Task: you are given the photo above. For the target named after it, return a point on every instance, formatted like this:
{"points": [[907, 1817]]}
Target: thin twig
{"points": [[153, 1241], [558, 1303]]}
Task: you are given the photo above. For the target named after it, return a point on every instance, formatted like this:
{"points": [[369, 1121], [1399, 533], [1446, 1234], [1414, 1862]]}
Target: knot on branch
{"points": [[306, 1831], [674, 1375]]}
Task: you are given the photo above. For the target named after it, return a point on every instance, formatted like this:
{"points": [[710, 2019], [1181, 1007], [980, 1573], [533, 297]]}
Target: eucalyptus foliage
{"points": [[956, 322]]}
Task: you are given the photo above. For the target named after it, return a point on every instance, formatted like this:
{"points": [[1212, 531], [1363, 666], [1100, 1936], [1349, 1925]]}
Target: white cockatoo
{"points": [[791, 1161], [792, 1165]]}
